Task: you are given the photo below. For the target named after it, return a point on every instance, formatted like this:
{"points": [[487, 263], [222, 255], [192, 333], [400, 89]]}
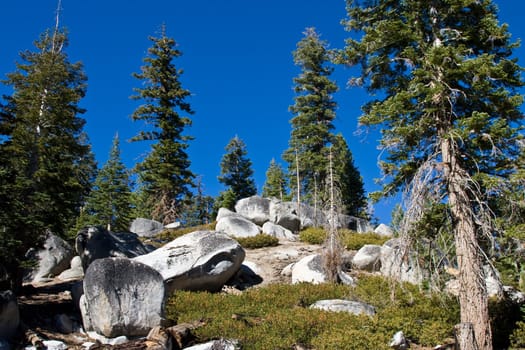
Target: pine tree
{"points": [[314, 112], [109, 203], [349, 180], [275, 184], [448, 107], [199, 207], [236, 174], [47, 162], [164, 173]]}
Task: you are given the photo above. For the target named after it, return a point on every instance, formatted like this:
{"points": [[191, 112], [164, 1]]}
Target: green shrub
{"points": [[517, 338], [313, 235], [355, 241], [278, 316], [259, 241]]}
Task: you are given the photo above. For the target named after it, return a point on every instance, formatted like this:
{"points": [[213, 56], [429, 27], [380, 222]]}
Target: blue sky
{"points": [[237, 62]]}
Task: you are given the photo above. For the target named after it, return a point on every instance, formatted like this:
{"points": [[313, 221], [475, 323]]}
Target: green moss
{"points": [[313, 235], [355, 241]]}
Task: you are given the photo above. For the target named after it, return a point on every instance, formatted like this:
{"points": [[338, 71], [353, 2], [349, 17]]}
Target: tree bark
{"points": [[473, 298], [465, 338]]}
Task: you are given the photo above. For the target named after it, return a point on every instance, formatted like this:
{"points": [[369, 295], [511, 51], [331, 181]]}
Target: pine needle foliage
{"points": [[236, 175], [447, 101], [165, 172], [47, 164], [109, 203]]}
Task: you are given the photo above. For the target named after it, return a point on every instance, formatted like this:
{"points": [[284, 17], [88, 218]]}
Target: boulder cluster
{"points": [[122, 284]]}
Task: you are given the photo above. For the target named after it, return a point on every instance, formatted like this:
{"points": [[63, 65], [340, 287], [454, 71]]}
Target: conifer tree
{"points": [[275, 184], [109, 203], [47, 163], [448, 107], [164, 173], [314, 112], [236, 174], [349, 180]]}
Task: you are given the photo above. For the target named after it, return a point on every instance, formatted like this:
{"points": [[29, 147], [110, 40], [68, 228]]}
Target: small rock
{"points": [[50, 345], [399, 341], [340, 305]]}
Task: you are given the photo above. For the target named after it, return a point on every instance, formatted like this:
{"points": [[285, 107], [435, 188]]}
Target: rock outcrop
{"points": [[237, 226], [255, 208], [51, 259], [95, 242], [9, 315], [201, 260], [145, 227], [122, 297], [341, 305]]}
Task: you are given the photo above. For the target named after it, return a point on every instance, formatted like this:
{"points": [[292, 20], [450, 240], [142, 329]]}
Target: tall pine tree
{"points": [[349, 180], [109, 203], [165, 173], [448, 107], [47, 163], [314, 112], [236, 174], [275, 184]]}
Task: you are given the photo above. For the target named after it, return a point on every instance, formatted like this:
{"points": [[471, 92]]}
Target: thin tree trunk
{"points": [[472, 294]]}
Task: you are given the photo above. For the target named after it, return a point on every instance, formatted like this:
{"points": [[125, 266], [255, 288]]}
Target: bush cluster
{"points": [[278, 316], [259, 241], [351, 240]]}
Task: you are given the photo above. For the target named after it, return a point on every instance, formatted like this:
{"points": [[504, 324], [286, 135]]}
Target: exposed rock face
{"points": [[309, 269], [384, 230], [308, 216], [51, 260], [9, 314], [145, 227], [368, 258], [255, 208], [398, 264], [237, 226], [122, 297], [340, 305], [278, 231], [201, 260], [290, 222], [224, 212], [75, 270], [95, 242]]}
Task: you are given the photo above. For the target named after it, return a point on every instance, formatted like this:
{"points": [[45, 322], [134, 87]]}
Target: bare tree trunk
{"points": [[472, 294], [465, 336]]}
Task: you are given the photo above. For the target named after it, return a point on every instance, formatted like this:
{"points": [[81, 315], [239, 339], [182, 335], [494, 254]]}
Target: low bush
{"points": [[259, 241], [278, 316], [355, 241], [313, 235], [351, 240]]}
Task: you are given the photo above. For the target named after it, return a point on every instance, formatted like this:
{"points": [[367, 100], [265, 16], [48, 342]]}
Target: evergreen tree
{"points": [[46, 160], [349, 180], [164, 173], [109, 203], [448, 107], [199, 208], [236, 174], [314, 112], [275, 184]]}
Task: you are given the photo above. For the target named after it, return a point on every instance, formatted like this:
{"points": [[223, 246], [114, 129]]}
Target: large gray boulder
{"points": [[51, 259], [75, 271], [201, 260], [122, 297], [384, 230], [400, 263], [145, 227], [309, 269], [237, 226], [307, 215], [254, 208], [278, 231], [9, 314], [341, 305], [95, 242], [368, 258]]}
